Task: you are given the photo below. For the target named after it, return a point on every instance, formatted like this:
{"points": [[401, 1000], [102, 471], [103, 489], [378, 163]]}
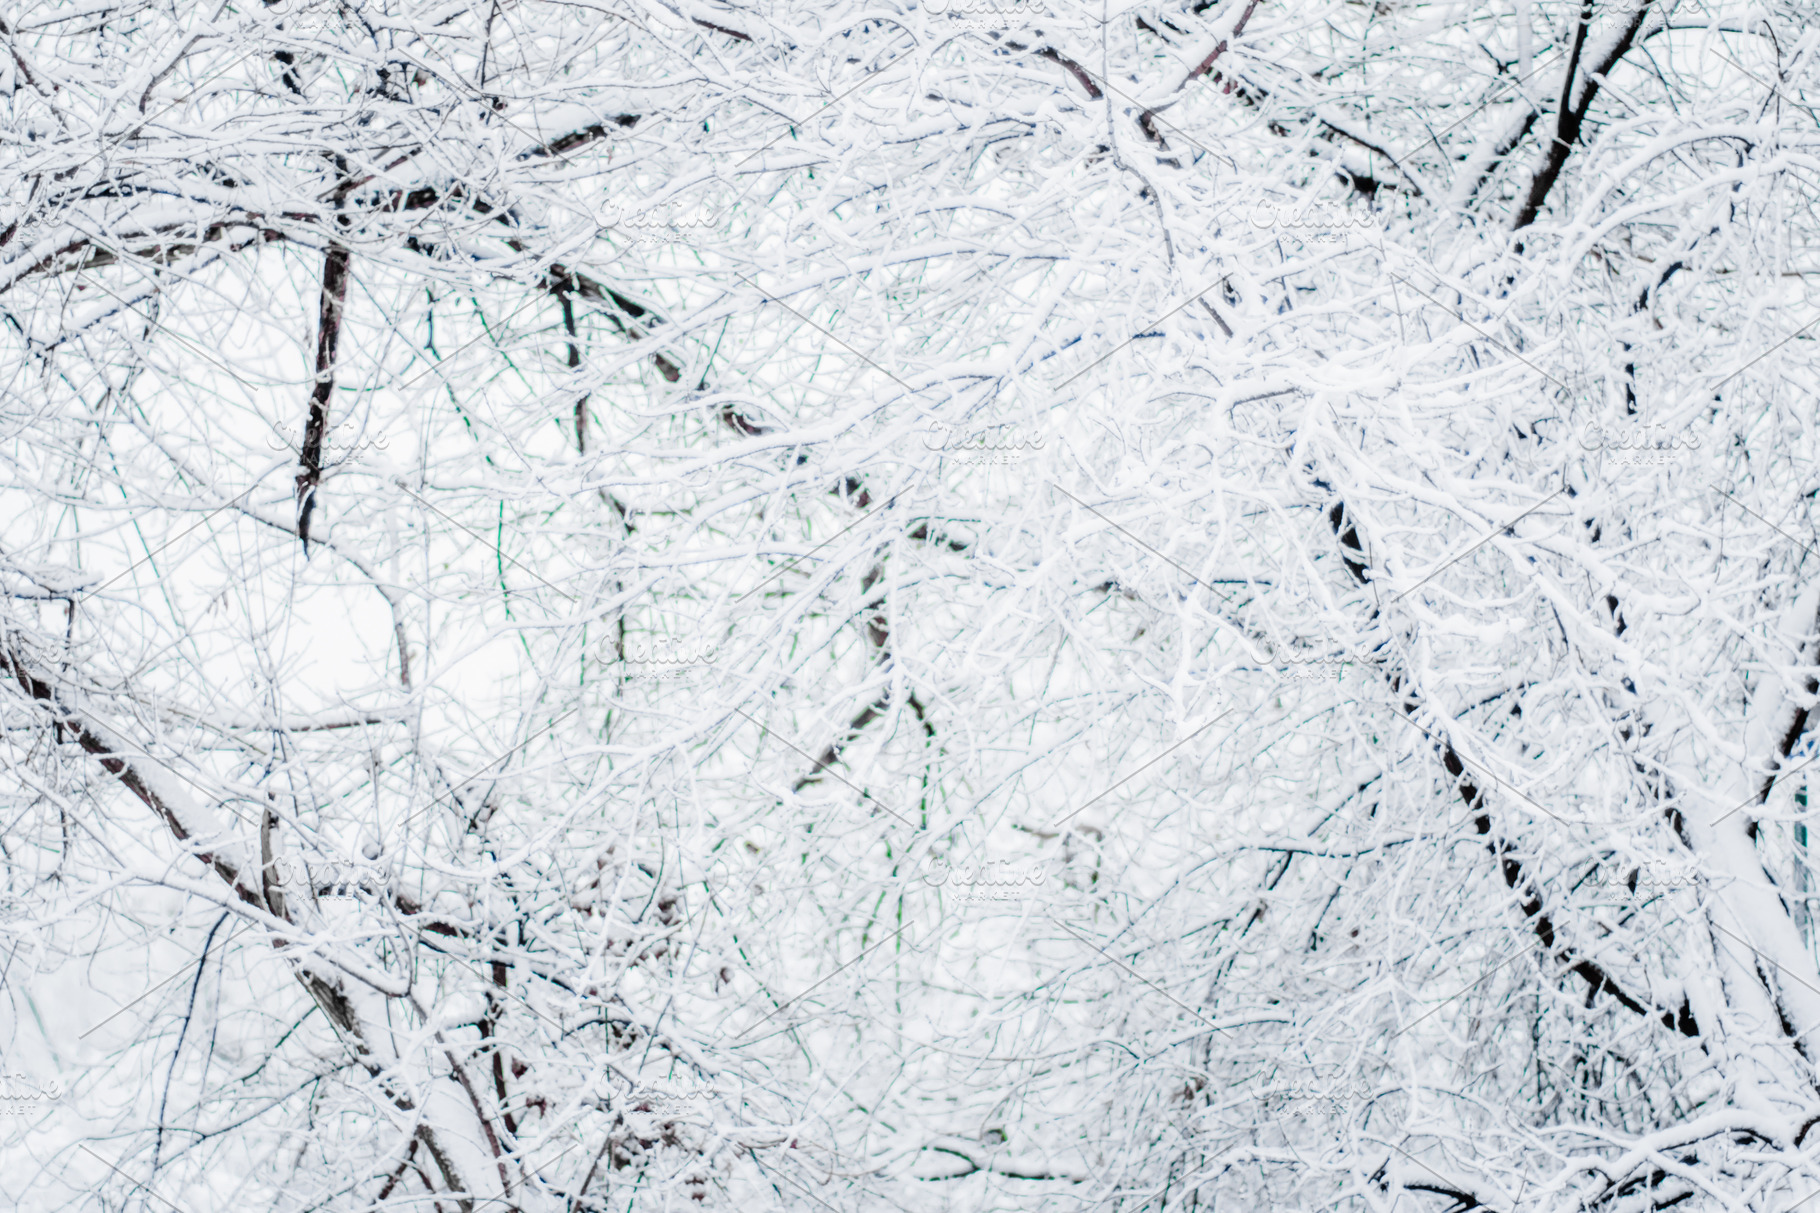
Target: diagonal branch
{"points": [[94, 741], [1147, 119], [721, 29], [1572, 116], [562, 280], [878, 634], [1516, 876], [1074, 69], [581, 138], [345, 1004]]}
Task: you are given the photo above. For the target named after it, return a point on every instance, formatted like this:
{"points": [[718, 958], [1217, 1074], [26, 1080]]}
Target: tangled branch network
{"points": [[924, 605]]}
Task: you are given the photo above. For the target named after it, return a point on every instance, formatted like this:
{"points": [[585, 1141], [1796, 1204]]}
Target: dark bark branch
{"points": [[1798, 720], [1369, 146], [1207, 63], [878, 634], [420, 198], [1147, 119], [1571, 117], [288, 74], [13, 662], [1503, 150], [580, 138], [326, 994], [164, 254], [923, 534], [559, 280], [740, 424], [974, 1167], [606, 1141], [392, 1181], [328, 337], [268, 868], [565, 279], [581, 402], [721, 29], [1516, 878], [499, 1068], [1464, 1201], [480, 1114], [1074, 69], [832, 754], [19, 62]]}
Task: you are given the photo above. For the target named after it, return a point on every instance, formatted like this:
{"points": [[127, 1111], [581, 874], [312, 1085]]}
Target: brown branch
{"points": [[581, 402], [1075, 69], [1219, 50], [740, 424], [581, 138], [499, 1069], [397, 1175], [1798, 720], [606, 1140], [561, 278], [1571, 117], [13, 662], [562, 290], [878, 634], [162, 254], [336, 271], [1352, 555], [721, 29], [923, 534], [328, 336], [1147, 119], [326, 994], [420, 198], [20, 63], [1369, 146], [480, 1114], [1502, 150], [1464, 1202], [832, 754], [268, 868], [410, 909]]}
